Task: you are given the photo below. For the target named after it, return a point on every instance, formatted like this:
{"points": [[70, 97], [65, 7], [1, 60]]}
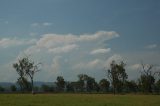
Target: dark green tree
{"points": [[91, 83], [86, 83], [131, 86], [2, 89], [20, 70], [117, 76], [24, 84], [70, 87], [47, 88], [157, 86], [147, 79], [146, 83], [104, 85], [81, 82], [26, 68], [60, 83], [13, 88]]}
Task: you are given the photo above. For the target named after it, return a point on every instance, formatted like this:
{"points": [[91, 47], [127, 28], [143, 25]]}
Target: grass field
{"points": [[78, 100]]}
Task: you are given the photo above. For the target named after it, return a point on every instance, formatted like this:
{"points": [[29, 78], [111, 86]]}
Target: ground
{"points": [[78, 100]]}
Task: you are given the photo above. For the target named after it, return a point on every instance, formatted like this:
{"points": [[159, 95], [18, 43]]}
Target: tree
{"points": [[147, 80], [146, 83], [21, 72], [86, 82], [13, 88], [131, 86], [91, 83], [69, 86], [96, 87], [26, 68], [24, 84], [75, 86], [60, 83], [81, 83], [157, 85], [117, 76], [47, 88], [104, 85], [2, 89]]}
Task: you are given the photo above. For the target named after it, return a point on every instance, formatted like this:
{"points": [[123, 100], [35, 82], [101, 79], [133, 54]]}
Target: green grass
{"points": [[78, 100]]}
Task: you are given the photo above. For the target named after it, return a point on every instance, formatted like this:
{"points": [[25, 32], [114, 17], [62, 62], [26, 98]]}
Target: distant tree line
{"points": [[116, 80]]}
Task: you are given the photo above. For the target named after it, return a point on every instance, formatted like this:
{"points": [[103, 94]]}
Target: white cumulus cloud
{"points": [[88, 65], [152, 46], [63, 49], [35, 24], [46, 24], [100, 51], [135, 67], [61, 43], [8, 42]]}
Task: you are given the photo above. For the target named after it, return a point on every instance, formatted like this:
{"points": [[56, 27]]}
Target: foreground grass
{"points": [[78, 100]]}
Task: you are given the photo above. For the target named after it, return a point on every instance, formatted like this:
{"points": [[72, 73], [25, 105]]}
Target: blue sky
{"points": [[71, 37]]}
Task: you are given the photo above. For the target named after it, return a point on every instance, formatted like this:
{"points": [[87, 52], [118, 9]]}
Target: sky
{"points": [[71, 37]]}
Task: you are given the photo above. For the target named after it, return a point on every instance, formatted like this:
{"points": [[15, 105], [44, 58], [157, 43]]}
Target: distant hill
{"points": [[38, 83], [6, 84]]}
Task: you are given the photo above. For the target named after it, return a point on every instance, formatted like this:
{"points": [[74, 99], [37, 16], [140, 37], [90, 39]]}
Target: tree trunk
{"points": [[114, 91], [32, 85]]}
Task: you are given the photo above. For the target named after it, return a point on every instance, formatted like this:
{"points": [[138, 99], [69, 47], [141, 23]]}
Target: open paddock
{"points": [[78, 100]]}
